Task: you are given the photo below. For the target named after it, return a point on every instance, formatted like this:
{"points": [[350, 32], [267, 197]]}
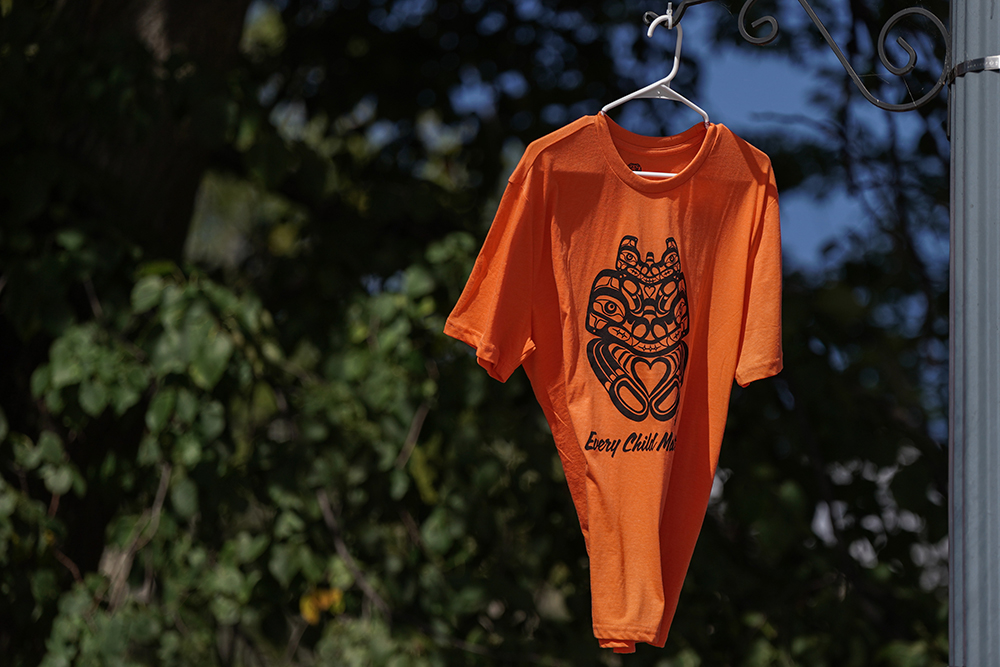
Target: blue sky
{"points": [[740, 88], [742, 93], [743, 86]]}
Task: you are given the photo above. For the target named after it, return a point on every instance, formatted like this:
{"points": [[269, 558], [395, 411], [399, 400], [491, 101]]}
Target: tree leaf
{"points": [[225, 609], [40, 380], [417, 282], [58, 478], [264, 404], [210, 359], [212, 421], [146, 293], [93, 397], [284, 563], [50, 447], [66, 369], [184, 498], [160, 409], [149, 451], [249, 548], [288, 524], [122, 397], [26, 454], [439, 530], [187, 450], [170, 353], [187, 406]]}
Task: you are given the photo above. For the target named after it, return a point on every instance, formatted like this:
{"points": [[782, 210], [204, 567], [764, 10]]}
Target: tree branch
{"points": [[414, 433], [293, 641], [331, 522], [69, 565], [95, 304], [121, 563]]}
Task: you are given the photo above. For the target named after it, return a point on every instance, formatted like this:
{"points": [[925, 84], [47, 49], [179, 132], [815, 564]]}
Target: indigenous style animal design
{"points": [[639, 313]]}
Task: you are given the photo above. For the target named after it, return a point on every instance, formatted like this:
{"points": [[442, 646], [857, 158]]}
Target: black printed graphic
{"points": [[639, 313], [634, 166]]}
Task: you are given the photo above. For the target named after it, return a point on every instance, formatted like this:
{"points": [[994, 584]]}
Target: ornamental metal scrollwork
{"points": [[772, 22], [772, 34]]}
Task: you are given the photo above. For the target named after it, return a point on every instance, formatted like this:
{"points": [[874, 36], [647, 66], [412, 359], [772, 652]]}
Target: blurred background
{"points": [[232, 432]]}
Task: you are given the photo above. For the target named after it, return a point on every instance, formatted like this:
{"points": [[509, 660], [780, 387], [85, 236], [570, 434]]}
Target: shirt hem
{"points": [[486, 354], [760, 372], [627, 634]]}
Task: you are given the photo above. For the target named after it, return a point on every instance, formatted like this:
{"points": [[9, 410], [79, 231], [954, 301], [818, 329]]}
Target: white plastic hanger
{"points": [[661, 89]]}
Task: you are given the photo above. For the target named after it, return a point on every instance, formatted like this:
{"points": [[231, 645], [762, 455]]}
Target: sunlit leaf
{"points": [[93, 397], [146, 293], [210, 359], [58, 478], [312, 604], [187, 450], [184, 498]]}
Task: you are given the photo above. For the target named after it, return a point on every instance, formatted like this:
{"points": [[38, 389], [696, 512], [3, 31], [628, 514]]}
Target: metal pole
{"points": [[974, 423]]}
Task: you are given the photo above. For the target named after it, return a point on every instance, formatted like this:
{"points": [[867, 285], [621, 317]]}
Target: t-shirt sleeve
{"points": [[493, 315], [760, 342]]}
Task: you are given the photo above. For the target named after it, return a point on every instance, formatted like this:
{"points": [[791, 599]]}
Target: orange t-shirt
{"points": [[633, 303]]}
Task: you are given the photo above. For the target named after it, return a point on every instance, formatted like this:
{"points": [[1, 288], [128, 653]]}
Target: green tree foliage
{"points": [[232, 432]]}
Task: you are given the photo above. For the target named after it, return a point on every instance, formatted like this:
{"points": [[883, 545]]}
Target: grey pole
{"points": [[974, 420]]}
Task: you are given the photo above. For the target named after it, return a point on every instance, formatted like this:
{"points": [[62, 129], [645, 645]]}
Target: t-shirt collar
{"points": [[609, 132]]}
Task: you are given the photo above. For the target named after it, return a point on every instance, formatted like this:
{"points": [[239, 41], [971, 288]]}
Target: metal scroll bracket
{"points": [[946, 76]]}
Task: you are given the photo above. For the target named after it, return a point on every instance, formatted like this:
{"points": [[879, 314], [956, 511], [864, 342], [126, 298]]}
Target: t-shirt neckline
{"points": [[608, 131]]}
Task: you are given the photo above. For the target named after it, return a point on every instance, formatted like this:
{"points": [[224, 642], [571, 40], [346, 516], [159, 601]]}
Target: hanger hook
{"points": [[649, 17], [653, 20]]}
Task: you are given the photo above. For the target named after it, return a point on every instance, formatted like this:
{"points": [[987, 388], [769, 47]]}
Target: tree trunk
{"points": [[158, 170]]}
